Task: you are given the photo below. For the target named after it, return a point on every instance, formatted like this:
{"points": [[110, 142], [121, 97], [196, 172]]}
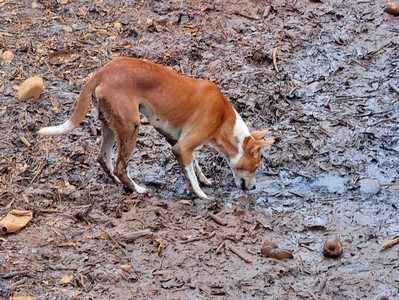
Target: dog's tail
{"points": [[79, 113]]}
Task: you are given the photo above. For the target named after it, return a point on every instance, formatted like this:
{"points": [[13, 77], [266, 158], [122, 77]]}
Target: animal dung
{"points": [[333, 248], [31, 88], [270, 249]]}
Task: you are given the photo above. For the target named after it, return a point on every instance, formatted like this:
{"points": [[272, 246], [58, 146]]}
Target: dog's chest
{"points": [[171, 133]]}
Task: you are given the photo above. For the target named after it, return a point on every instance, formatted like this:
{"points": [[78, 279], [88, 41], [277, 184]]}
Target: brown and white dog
{"points": [[188, 112]]}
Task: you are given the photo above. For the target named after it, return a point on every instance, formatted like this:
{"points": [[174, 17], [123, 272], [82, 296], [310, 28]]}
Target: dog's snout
{"points": [[253, 187]]}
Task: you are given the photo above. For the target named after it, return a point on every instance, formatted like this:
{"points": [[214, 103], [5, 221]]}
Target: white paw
{"points": [[206, 181], [140, 189], [202, 195]]}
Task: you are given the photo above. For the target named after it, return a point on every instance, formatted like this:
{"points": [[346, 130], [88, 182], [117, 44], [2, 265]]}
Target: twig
{"points": [[132, 236], [195, 239], [267, 11], [238, 13], [220, 247], [235, 251], [217, 219], [390, 243], [274, 55], [395, 88]]}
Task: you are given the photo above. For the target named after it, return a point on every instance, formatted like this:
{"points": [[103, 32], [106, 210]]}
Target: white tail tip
{"points": [[65, 127]]}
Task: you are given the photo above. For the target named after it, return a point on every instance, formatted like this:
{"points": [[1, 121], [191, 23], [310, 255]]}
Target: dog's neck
{"points": [[231, 138]]}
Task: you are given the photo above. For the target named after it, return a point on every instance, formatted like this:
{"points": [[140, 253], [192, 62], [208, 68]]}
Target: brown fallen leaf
{"points": [[31, 88], [7, 56], [392, 8], [185, 202], [62, 57], [67, 278], [15, 220], [270, 249], [22, 298], [127, 268]]}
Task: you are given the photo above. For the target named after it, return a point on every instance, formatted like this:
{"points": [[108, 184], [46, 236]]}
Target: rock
{"points": [[392, 8], [333, 248], [369, 186], [31, 88], [7, 56]]}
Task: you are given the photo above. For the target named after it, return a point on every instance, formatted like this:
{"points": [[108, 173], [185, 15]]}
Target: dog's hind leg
{"points": [[106, 151], [126, 128]]}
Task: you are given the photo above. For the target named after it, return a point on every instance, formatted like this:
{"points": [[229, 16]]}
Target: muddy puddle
{"points": [[330, 99]]}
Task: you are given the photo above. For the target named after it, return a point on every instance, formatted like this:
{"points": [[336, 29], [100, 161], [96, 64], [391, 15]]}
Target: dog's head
{"points": [[250, 155]]}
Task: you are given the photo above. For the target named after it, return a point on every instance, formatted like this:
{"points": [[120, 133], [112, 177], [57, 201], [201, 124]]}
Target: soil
{"points": [[330, 99]]}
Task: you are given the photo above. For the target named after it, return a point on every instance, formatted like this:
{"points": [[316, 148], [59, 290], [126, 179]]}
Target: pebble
{"points": [[369, 186]]}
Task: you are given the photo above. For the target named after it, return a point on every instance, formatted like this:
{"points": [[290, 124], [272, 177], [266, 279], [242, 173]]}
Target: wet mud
{"points": [[329, 95]]}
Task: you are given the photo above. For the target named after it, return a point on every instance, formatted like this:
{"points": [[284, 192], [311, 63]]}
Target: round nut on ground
{"points": [[333, 248], [7, 56], [392, 8], [31, 88]]}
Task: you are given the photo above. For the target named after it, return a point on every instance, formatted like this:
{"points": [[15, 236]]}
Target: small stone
{"points": [[7, 56], [31, 88], [369, 186]]}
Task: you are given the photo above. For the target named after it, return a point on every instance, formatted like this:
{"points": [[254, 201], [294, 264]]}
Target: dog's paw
{"points": [[206, 181], [140, 189]]}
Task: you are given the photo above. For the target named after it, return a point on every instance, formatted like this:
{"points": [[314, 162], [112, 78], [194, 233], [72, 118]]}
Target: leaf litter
{"points": [[321, 75]]}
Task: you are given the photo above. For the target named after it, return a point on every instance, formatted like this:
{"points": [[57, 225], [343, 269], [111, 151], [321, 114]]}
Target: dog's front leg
{"points": [[185, 159], [202, 178], [192, 177]]}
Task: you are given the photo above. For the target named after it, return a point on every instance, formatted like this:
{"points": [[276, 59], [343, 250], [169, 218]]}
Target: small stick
{"points": [[191, 240], [217, 219], [274, 55], [195, 239], [132, 236], [238, 13], [235, 251], [220, 247], [267, 11], [25, 141], [395, 88], [390, 243]]}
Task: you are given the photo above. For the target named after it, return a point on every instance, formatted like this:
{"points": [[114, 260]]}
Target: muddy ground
{"points": [[332, 105]]}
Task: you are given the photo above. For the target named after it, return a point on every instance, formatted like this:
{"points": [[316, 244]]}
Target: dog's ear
{"points": [[259, 134]]}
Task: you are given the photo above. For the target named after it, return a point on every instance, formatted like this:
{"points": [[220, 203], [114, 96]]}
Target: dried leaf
{"points": [[67, 278], [31, 88], [15, 220], [7, 56], [22, 298], [62, 57]]}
